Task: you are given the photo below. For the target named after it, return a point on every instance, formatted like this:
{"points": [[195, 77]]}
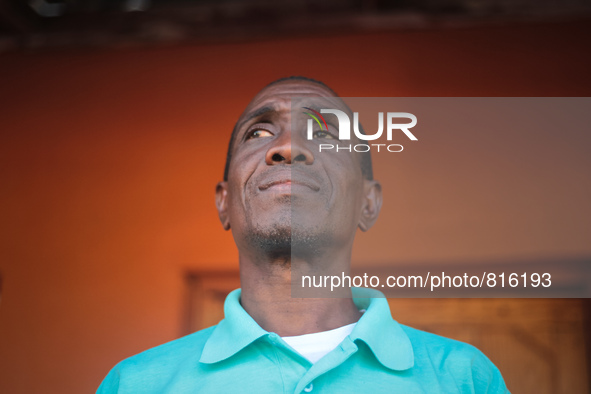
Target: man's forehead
{"points": [[293, 89], [279, 96]]}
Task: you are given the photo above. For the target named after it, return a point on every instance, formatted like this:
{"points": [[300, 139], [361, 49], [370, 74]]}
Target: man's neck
{"points": [[266, 296]]}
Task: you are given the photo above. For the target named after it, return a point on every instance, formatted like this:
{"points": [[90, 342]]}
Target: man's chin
{"points": [[288, 241], [271, 241]]}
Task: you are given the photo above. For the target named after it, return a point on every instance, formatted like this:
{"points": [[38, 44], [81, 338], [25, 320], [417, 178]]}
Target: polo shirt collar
{"points": [[236, 331], [382, 334], [376, 328]]}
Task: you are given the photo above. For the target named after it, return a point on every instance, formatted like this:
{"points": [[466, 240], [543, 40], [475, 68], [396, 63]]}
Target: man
{"points": [[293, 209]]}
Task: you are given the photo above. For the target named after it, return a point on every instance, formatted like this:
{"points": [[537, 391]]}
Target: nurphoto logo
{"points": [[344, 130]]}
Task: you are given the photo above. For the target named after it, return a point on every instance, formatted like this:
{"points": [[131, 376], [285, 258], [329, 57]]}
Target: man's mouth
{"points": [[286, 184]]}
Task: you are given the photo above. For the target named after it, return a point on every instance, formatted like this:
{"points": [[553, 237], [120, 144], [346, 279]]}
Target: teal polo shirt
{"points": [[238, 356]]}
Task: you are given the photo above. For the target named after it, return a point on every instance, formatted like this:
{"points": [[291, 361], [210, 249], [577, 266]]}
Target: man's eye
{"points": [[259, 133], [323, 134]]}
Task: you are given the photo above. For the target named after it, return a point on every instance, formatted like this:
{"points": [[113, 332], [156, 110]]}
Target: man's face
{"points": [[281, 193]]}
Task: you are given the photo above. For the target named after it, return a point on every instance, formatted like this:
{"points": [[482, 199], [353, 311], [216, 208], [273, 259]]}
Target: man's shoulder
{"points": [[178, 349], [151, 366], [452, 357], [426, 340], [442, 350]]}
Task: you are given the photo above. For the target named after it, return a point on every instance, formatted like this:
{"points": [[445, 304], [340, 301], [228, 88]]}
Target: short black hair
{"points": [[366, 165]]}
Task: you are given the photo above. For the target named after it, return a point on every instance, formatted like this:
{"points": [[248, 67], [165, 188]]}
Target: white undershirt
{"points": [[319, 344]]}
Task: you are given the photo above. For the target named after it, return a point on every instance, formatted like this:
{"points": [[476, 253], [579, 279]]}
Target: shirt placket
{"points": [[325, 364]]}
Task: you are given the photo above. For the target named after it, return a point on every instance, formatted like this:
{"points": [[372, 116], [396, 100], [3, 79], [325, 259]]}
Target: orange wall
{"points": [[109, 161]]}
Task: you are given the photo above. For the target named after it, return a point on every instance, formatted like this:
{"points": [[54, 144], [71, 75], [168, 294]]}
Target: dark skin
{"points": [[279, 186]]}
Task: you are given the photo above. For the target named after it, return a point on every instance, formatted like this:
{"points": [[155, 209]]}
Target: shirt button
{"points": [[309, 388]]}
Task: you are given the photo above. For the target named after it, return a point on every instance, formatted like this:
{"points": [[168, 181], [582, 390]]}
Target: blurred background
{"points": [[114, 121]]}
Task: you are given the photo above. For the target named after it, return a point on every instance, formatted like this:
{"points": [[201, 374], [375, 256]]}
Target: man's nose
{"points": [[288, 148]]}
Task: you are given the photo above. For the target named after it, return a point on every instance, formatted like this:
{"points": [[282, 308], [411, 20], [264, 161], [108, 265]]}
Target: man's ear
{"points": [[221, 202], [372, 203]]}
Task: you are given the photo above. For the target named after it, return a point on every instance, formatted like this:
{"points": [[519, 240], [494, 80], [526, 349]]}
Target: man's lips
{"points": [[288, 183]]}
